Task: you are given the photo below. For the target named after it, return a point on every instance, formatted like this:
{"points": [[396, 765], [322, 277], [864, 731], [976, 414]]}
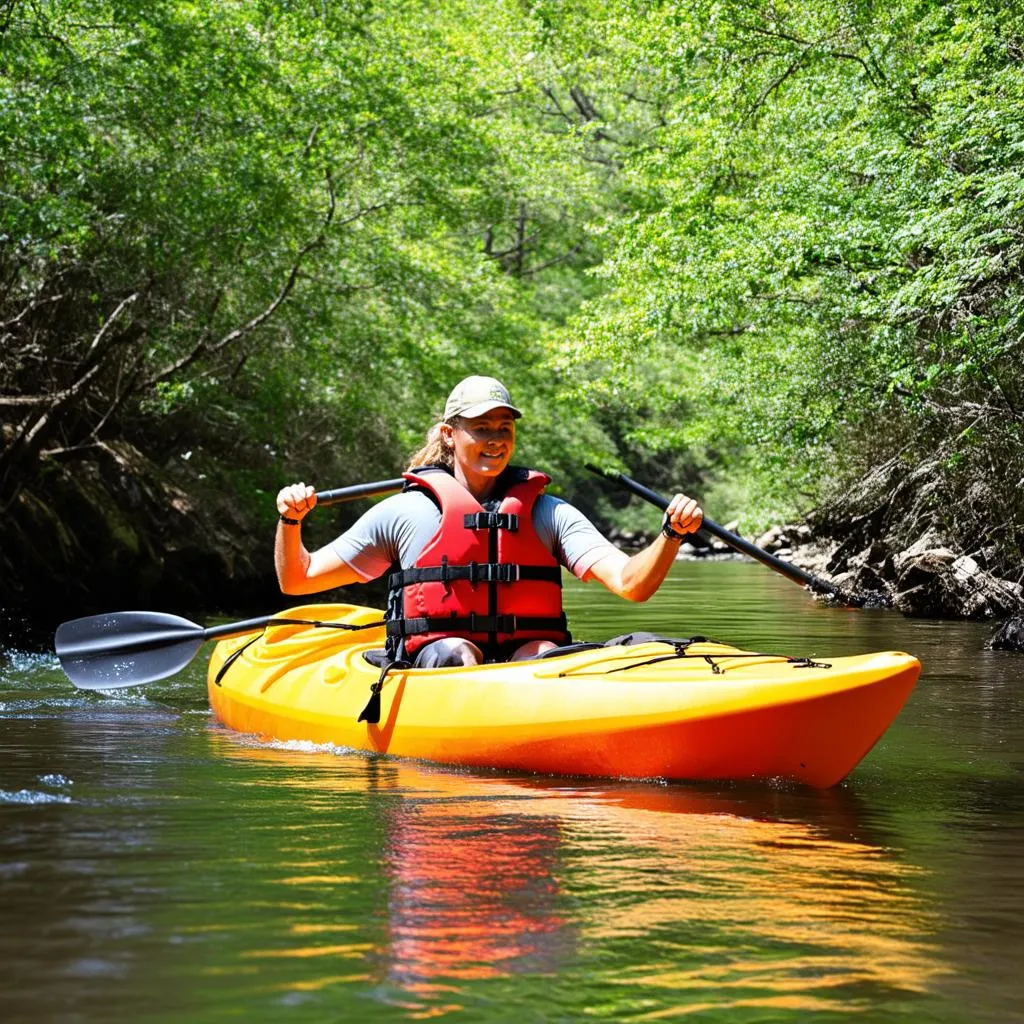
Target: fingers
{"points": [[296, 500], [684, 514]]}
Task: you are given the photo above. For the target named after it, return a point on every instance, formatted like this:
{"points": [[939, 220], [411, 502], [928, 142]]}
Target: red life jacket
{"points": [[484, 576]]}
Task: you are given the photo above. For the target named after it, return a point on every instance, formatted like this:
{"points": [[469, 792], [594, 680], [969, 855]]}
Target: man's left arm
{"points": [[638, 577]]}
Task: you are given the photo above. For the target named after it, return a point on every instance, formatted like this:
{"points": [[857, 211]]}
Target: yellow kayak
{"points": [[700, 710]]}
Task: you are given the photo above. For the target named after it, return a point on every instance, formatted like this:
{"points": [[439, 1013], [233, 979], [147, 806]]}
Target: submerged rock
{"points": [[867, 584], [1009, 636]]}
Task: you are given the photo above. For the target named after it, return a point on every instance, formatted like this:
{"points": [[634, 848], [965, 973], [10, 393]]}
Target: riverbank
{"points": [[925, 577], [116, 531]]}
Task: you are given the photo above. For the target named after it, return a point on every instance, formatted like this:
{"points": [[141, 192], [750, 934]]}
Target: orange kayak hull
{"points": [[715, 713]]}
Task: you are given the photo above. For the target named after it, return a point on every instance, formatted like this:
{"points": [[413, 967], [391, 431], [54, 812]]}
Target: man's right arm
{"points": [[298, 570]]}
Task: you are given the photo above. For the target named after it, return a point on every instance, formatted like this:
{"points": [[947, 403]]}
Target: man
{"points": [[479, 544]]}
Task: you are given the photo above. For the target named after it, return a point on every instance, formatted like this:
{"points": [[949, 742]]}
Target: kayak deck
{"points": [[646, 711]]}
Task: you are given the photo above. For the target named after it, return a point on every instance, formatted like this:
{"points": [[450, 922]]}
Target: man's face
{"points": [[484, 444]]}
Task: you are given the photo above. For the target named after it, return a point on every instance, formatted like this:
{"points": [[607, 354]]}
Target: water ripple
{"points": [[32, 796]]}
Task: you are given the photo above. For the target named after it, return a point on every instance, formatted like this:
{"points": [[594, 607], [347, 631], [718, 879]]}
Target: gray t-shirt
{"points": [[398, 529]]}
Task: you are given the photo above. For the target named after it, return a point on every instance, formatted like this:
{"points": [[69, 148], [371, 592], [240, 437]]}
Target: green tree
{"points": [[828, 242]]}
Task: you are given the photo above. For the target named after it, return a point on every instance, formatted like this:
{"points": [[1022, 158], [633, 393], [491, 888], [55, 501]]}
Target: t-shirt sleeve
{"points": [[574, 540], [370, 545]]}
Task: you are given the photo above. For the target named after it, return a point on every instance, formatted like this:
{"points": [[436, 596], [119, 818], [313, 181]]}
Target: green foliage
{"points": [[829, 234], [300, 223], [750, 249]]}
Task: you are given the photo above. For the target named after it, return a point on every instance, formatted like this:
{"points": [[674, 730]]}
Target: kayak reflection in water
{"points": [[473, 893], [479, 544]]}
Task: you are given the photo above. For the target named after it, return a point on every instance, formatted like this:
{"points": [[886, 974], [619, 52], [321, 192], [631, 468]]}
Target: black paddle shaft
{"points": [[340, 494], [709, 526], [128, 632]]}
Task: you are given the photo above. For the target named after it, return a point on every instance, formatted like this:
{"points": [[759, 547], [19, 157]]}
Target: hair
{"points": [[436, 451]]}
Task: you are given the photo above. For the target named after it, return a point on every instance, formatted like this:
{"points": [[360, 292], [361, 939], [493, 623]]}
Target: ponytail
{"points": [[436, 452]]}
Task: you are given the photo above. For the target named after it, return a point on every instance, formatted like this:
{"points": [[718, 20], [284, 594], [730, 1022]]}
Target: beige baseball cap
{"points": [[474, 396]]}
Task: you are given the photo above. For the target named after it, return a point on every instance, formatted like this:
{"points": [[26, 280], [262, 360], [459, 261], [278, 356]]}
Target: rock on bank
{"points": [[893, 533]]}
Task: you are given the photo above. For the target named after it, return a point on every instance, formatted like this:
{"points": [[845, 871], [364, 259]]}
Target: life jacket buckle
{"points": [[491, 521], [507, 572]]}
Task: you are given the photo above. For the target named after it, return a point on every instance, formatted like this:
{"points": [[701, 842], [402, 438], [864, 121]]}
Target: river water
{"points": [[155, 867]]}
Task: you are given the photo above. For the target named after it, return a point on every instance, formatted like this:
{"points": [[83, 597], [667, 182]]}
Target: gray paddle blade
{"points": [[104, 652]]}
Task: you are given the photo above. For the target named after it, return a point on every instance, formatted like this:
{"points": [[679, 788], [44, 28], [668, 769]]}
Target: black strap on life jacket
{"points": [[491, 521], [476, 572], [490, 624]]}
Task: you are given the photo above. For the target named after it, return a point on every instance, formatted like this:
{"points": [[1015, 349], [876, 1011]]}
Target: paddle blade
{"points": [[104, 652]]}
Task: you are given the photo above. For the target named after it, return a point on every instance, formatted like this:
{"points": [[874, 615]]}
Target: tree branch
{"points": [[102, 332], [30, 308], [31, 435], [202, 347], [122, 393], [776, 84], [550, 263], [559, 110], [816, 45]]}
